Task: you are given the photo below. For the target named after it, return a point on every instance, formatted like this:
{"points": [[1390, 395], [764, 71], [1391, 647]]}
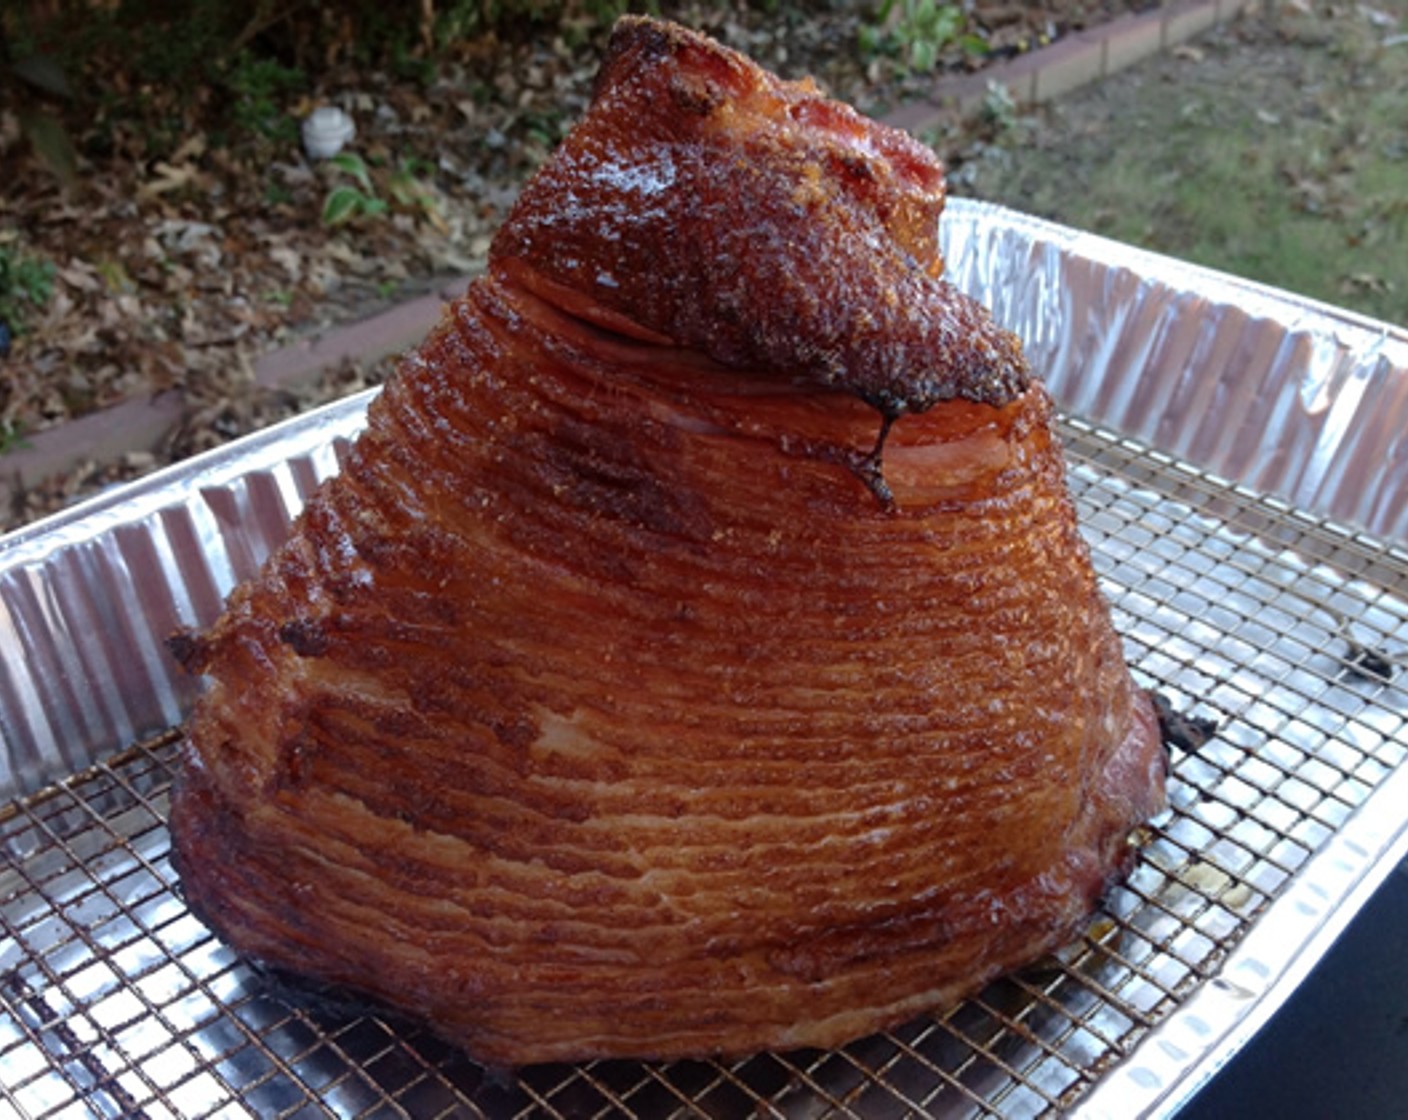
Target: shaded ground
{"points": [[175, 270], [1274, 148]]}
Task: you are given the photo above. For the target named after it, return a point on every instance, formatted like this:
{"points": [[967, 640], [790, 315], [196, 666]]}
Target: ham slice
{"points": [[697, 653]]}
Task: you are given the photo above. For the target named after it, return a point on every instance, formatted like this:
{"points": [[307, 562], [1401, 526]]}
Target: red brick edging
{"points": [[142, 424], [1072, 61]]}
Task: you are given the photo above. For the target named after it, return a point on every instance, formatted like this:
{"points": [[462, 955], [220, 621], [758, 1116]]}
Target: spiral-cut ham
{"points": [[697, 653]]}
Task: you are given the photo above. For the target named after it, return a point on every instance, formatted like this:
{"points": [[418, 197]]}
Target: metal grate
{"points": [[115, 1001]]}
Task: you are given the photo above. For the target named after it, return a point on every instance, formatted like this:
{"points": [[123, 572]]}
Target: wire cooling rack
{"points": [[1282, 630]]}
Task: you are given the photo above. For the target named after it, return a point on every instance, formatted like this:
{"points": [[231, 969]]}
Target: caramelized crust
{"points": [[599, 708], [706, 203]]}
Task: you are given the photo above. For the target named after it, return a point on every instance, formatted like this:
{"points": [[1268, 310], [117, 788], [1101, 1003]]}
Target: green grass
{"points": [[1295, 174]]}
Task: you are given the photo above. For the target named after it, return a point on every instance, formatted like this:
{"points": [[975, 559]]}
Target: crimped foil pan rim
{"points": [[1172, 270], [129, 501], [1281, 393], [89, 595]]}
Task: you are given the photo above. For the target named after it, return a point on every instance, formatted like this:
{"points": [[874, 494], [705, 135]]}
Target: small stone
{"points": [[326, 131]]}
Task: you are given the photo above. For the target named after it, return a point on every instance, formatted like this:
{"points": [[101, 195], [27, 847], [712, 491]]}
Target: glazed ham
{"points": [[697, 653]]}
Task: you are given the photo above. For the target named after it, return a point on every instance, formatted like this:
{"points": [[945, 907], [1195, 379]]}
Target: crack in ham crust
{"points": [[596, 708]]}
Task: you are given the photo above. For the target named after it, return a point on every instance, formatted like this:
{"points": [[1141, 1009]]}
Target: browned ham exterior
{"points": [[697, 653]]}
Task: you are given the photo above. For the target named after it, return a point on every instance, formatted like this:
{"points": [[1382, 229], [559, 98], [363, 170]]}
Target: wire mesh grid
{"points": [[1285, 630]]}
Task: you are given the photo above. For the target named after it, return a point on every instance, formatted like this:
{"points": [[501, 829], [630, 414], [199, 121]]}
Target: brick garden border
{"points": [[1075, 60], [144, 423]]}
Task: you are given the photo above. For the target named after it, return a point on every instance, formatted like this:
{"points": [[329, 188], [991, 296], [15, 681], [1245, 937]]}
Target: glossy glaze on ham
{"points": [[697, 653]]}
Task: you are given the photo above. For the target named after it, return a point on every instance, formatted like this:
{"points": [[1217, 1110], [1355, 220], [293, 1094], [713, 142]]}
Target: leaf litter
{"points": [[175, 275]]}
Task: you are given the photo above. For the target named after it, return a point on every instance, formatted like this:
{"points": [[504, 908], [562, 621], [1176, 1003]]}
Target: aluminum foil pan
{"points": [[1190, 397], [1274, 391]]}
